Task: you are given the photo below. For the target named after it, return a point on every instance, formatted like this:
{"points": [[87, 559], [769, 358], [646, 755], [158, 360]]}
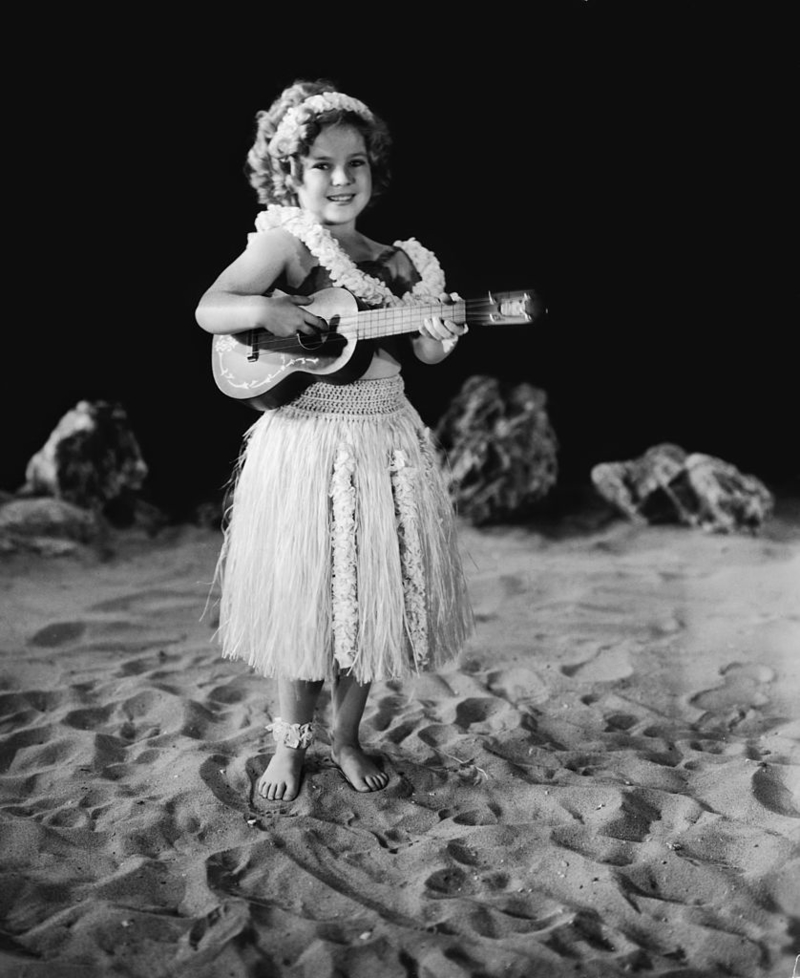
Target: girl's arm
{"points": [[235, 302]]}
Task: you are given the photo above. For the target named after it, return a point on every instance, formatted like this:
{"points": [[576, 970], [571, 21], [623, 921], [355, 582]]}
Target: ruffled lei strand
{"points": [[342, 270]]}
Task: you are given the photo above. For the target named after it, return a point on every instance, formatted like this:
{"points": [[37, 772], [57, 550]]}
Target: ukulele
{"points": [[266, 371]]}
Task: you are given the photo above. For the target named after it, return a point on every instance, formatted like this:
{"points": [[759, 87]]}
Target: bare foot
{"points": [[281, 780], [358, 769]]}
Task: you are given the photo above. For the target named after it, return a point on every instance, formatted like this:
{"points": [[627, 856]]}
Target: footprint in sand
{"points": [[448, 882], [89, 717], [388, 709], [59, 633], [199, 722], [480, 710], [778, 789], [215, 774], [25, 755], [438, 734], [107, 635], [489, 594], [607, 665], [633, 819], [620, 721], [21, 706], [463, 854], [741, 688], [474, 817], [149, 602], [518, 686], [216, 929], [136, 667], [229, 695]]}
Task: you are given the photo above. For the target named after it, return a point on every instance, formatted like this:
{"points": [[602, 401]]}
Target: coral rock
{"points": [[47, 526], [501, 450], [90, 459], [666, 485]]}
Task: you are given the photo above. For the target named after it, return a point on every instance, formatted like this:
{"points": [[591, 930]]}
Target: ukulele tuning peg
{"points": [[511, 308]]}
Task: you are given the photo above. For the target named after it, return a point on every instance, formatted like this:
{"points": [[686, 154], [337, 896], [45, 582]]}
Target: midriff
{"points": [[382, 365]]}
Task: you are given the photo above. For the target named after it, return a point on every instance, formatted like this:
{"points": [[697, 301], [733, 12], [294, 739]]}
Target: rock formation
{"points": [[501, 451], [668, 485], [86, 476], [51, 527], [91, 458]]}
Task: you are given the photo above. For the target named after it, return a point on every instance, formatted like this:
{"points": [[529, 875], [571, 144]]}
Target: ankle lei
{"points": [[341, 268], [295, 735]]}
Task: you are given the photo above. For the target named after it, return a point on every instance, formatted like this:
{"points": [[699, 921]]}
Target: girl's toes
{"points": [[358, 770]]}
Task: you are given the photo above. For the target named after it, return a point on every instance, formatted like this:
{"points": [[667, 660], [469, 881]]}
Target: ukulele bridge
{"points": [[252, 339]]}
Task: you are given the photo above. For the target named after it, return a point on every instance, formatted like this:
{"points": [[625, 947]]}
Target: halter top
{"points": [[393, 267]]}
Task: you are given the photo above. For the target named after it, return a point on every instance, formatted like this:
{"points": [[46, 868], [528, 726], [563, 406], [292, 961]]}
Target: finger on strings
{"points": [[440, 330], [432, 325], [308, 329]]}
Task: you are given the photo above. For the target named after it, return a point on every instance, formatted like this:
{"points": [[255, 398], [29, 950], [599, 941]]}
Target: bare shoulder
{"points": [[272, 244], [268, 255]]}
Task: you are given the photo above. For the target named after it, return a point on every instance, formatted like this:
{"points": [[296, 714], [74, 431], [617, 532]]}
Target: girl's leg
{"points": [[281, 780], [349, 700]]}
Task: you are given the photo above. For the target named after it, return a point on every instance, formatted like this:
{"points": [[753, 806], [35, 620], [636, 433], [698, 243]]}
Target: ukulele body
{"points": [[266, 371]]}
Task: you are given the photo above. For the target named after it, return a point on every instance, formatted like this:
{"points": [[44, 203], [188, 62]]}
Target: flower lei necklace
{"points": [[343, 271]]}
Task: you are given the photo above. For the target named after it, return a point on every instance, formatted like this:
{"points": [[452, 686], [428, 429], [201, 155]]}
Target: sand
{"points": [[605, 784]]}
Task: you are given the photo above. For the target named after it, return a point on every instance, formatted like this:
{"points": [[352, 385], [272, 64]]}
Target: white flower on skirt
{"points": [[343, 542], [403, 476]]}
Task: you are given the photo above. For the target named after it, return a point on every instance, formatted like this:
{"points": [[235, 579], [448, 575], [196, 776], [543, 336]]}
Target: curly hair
{"points": [[268, 173]]}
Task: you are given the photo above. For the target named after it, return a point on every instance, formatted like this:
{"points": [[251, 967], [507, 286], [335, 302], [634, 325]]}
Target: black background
{"points": [[633, 163]]}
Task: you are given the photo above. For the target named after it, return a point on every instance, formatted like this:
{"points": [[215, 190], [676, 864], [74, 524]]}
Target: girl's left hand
{"points": [[445, 331]]}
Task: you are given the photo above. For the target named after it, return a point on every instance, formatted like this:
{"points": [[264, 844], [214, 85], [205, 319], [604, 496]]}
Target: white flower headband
{"points": [[286, 136]]}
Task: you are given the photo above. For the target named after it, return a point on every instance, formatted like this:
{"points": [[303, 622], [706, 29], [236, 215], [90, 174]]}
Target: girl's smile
{"points": [[337, 179]]}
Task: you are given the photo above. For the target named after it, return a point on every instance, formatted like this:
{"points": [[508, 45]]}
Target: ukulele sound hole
{"points": [[333, 342], [310, 343]]}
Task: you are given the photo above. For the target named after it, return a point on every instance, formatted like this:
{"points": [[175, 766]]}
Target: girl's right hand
{"points": [[285, 316]]}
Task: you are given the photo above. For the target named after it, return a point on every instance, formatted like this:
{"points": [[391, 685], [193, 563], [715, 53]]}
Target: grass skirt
{"points": [[340, 550]]}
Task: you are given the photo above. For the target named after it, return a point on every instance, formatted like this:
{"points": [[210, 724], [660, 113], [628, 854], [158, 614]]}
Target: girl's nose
{"points": [[341, 176]]}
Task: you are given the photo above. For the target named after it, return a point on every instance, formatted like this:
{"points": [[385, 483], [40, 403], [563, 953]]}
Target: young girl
{"points": [[340, 558]]}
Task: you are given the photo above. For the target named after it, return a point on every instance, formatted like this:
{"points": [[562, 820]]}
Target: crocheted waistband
{"points": [[362, 398]]}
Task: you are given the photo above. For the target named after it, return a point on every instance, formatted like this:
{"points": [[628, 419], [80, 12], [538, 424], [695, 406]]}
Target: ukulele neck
{"points": [[394, 320]]}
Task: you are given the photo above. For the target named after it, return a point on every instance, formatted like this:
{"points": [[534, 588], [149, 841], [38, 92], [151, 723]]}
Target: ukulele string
{"points": [[390, 316]]}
